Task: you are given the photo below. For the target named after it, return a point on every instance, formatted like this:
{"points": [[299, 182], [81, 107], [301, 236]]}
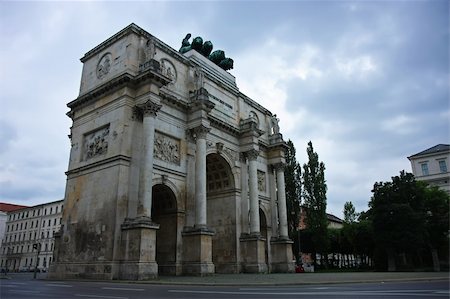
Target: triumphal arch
{"points": [[172, 169]]}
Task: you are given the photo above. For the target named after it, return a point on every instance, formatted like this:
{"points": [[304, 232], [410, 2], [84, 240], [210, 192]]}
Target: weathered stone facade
{"points": [[172, 169]]}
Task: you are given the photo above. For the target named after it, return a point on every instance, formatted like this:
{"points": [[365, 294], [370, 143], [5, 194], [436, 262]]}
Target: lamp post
{"points": [[36, 246], [8, 252]]}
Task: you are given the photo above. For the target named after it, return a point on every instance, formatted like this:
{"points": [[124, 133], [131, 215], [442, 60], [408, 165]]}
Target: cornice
{"points": [[125, 79], [219, 124], [117, 158], [132, 28]]}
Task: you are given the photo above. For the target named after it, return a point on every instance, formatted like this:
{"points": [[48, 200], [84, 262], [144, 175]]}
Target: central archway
{"points": [[164, 213], [221, 205]]}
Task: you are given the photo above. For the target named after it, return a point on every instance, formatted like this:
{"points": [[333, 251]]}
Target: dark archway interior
{"points": [[164, 213], [221, 205]]}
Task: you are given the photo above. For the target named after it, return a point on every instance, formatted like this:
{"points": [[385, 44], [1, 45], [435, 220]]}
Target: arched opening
{"points": [[221, 211], [264, 234], [164, 212]]}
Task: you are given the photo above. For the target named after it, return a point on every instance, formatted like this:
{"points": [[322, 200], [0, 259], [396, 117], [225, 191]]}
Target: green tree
{"points": [[350, 214], [292, 177], [315, 200], [396, 211], [436, 209]]}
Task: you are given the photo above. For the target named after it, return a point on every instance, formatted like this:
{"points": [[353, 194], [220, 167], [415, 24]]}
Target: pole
{"points": [[36, 246]]}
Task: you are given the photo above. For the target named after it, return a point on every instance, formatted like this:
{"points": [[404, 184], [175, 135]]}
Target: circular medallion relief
{"points": [[104, 65]]}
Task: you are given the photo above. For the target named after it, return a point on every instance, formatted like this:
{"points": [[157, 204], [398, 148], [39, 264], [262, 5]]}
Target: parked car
{"points": [[24, 269]]}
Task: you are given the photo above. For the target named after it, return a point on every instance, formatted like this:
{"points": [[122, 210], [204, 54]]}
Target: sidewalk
{"points": [[299, 278]]}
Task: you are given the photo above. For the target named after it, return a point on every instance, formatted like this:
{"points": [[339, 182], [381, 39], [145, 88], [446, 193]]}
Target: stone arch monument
{"points": [[170, 167]]}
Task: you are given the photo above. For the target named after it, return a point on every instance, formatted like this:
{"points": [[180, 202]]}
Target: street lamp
{"points": [[37, 247]]}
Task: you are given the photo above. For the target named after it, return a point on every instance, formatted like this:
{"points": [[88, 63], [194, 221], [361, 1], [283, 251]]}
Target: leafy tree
{"points": [[350, 214], [396, 211], [315, 200], [436, 209], [292, 177]]}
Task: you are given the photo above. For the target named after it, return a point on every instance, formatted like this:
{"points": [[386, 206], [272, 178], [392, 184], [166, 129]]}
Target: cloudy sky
{"points": [[366, 81]]}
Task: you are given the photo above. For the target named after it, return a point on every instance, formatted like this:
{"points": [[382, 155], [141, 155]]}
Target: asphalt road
{"points": [[29, 289]]}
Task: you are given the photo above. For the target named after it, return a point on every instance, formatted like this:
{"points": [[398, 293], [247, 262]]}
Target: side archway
{"points": [[164, 212], [221, 211]]}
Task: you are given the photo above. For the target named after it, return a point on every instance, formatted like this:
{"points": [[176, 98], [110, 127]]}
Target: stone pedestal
{"points": [[197, 252], [139, 249], [282, 258], [253, 253]]}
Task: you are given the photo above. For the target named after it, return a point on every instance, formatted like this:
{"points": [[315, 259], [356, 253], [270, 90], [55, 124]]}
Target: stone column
{"points": [[149, 110], [245, 224], [138, 240], [253, 188], [273, 202], [197, 240], [200, 175], [279, 168]]}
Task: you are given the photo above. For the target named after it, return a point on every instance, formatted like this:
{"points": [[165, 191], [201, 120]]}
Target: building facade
{"points": [[5, 208], [431, 166], [26, 227], [172, 169]]}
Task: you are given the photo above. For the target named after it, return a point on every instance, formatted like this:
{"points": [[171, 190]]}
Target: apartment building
{"points": [[29, 237], [431, 166]]}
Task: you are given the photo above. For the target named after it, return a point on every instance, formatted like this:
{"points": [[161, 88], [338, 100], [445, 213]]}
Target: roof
{"points": [[333, 218], [432, 150], [8, 207]]}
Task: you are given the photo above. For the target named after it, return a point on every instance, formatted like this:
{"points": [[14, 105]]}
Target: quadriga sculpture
{"points": [[218, 56]]}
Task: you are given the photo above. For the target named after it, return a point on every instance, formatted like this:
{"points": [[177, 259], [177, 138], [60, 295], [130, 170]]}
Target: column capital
{"points": [[200, 132], [149, 108], [252, 154], [279, 166]]}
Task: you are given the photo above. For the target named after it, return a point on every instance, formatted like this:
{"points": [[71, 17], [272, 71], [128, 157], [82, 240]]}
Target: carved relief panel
{"points": [[261, 181], [168, 69], [166, 148], [104, 65], [95, 143]]}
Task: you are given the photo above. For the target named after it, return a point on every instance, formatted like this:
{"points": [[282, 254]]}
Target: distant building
{"points": [[431, 166], [333, 221], [25, 227], [5, 208]]}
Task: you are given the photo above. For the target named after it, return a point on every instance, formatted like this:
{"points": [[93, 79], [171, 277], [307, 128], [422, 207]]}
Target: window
{"points": [[49, 222], [54, 221], [26, 225], [31, 226], [442, 166], [51, 210], [56, 210], [45, 211], [34, 213], [424, 168]]}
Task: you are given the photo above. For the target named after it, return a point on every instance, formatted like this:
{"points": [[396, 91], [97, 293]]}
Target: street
{"points": [[19, 288]]}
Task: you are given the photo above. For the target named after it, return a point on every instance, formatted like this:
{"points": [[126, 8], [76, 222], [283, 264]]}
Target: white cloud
{"points": [[400, 124]]}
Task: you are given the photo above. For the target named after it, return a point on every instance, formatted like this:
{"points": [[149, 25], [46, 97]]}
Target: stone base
{"points": [[254, 254], [282, 258], [97, 271], [138, 249], [138, 270], [197, 252]]}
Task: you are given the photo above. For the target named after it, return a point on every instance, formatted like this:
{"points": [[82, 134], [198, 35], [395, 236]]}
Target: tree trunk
{"points": [[435, 257], [391, 260]]}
